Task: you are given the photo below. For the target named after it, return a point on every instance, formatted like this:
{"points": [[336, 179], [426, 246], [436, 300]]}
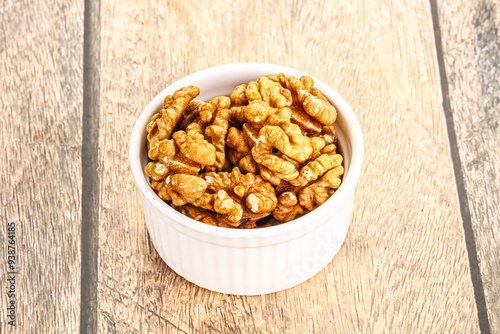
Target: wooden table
{"points": [[422, 252]]}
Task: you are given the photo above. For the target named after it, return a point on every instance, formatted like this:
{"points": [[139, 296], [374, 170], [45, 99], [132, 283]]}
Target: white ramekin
{"points": [[255, 261]]}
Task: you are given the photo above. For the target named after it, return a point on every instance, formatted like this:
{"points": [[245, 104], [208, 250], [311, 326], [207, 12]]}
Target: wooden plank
{"points": [[404, 265], [40, 176], [471, 50]]}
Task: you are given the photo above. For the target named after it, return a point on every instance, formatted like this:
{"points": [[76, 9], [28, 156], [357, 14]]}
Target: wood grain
{"points": [[40, 144], [471, 48], [404, 265]]}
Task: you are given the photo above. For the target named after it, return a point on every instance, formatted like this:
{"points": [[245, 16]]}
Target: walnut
{"points": [[329, 149], [316, 168], [161, 189], [217, 103], [156, 171], [239, 153], [204, 216], [251, 134], [162, 149], [216, 135], [237, 114], [168, 160], [307, 123], [238, 97], [259, 113], [288, 207], [313, 101], [272, 167], [162, 124], [234, 156], [225, 205], [280, 78], [320, 108], [190, 114], [287, 139], [319, 191], [328, 134], [317, 144], [248, 164], [236, 198], [236, 139], [193, 146], [257, 195], [268, 91], [275, 177], [180, 188]]}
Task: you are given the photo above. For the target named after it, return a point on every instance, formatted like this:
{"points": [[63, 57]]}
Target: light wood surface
{"points": [[40, 177], [404, 267], [471, 48]]}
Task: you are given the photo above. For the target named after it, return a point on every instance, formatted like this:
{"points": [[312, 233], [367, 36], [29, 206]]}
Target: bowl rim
{"points": [[349, 180]]}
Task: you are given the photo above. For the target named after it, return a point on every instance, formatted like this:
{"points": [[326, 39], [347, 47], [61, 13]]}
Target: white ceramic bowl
{"points": [[249, 261]]}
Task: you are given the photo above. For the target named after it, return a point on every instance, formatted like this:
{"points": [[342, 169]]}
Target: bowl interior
{"points": [[221, 80]]}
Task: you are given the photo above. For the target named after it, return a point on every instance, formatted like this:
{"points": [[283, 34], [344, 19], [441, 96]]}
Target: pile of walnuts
{"points": [[268, 148]]}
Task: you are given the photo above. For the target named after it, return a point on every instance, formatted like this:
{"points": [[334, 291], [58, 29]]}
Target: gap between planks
{"points": [[90, 180]]}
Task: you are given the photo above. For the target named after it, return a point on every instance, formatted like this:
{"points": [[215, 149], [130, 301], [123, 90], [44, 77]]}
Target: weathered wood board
{"points": [[404, 266], [41, 82], [471, 49]]}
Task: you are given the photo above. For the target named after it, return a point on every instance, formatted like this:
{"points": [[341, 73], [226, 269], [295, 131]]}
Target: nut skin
{"points": [[216, 135], [162, 124], [236, 139], [316, 168], [190, 114], [257, 195], [319, 191], [288, 207], [312, 101], [204, 216], [268, 91], [238, 97], [194, 147], [168, 160], [266, 150], [239, 152], [308, 124], [328, 134], [208, 110], [185, 188], [248, 164], [287, 139]]}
